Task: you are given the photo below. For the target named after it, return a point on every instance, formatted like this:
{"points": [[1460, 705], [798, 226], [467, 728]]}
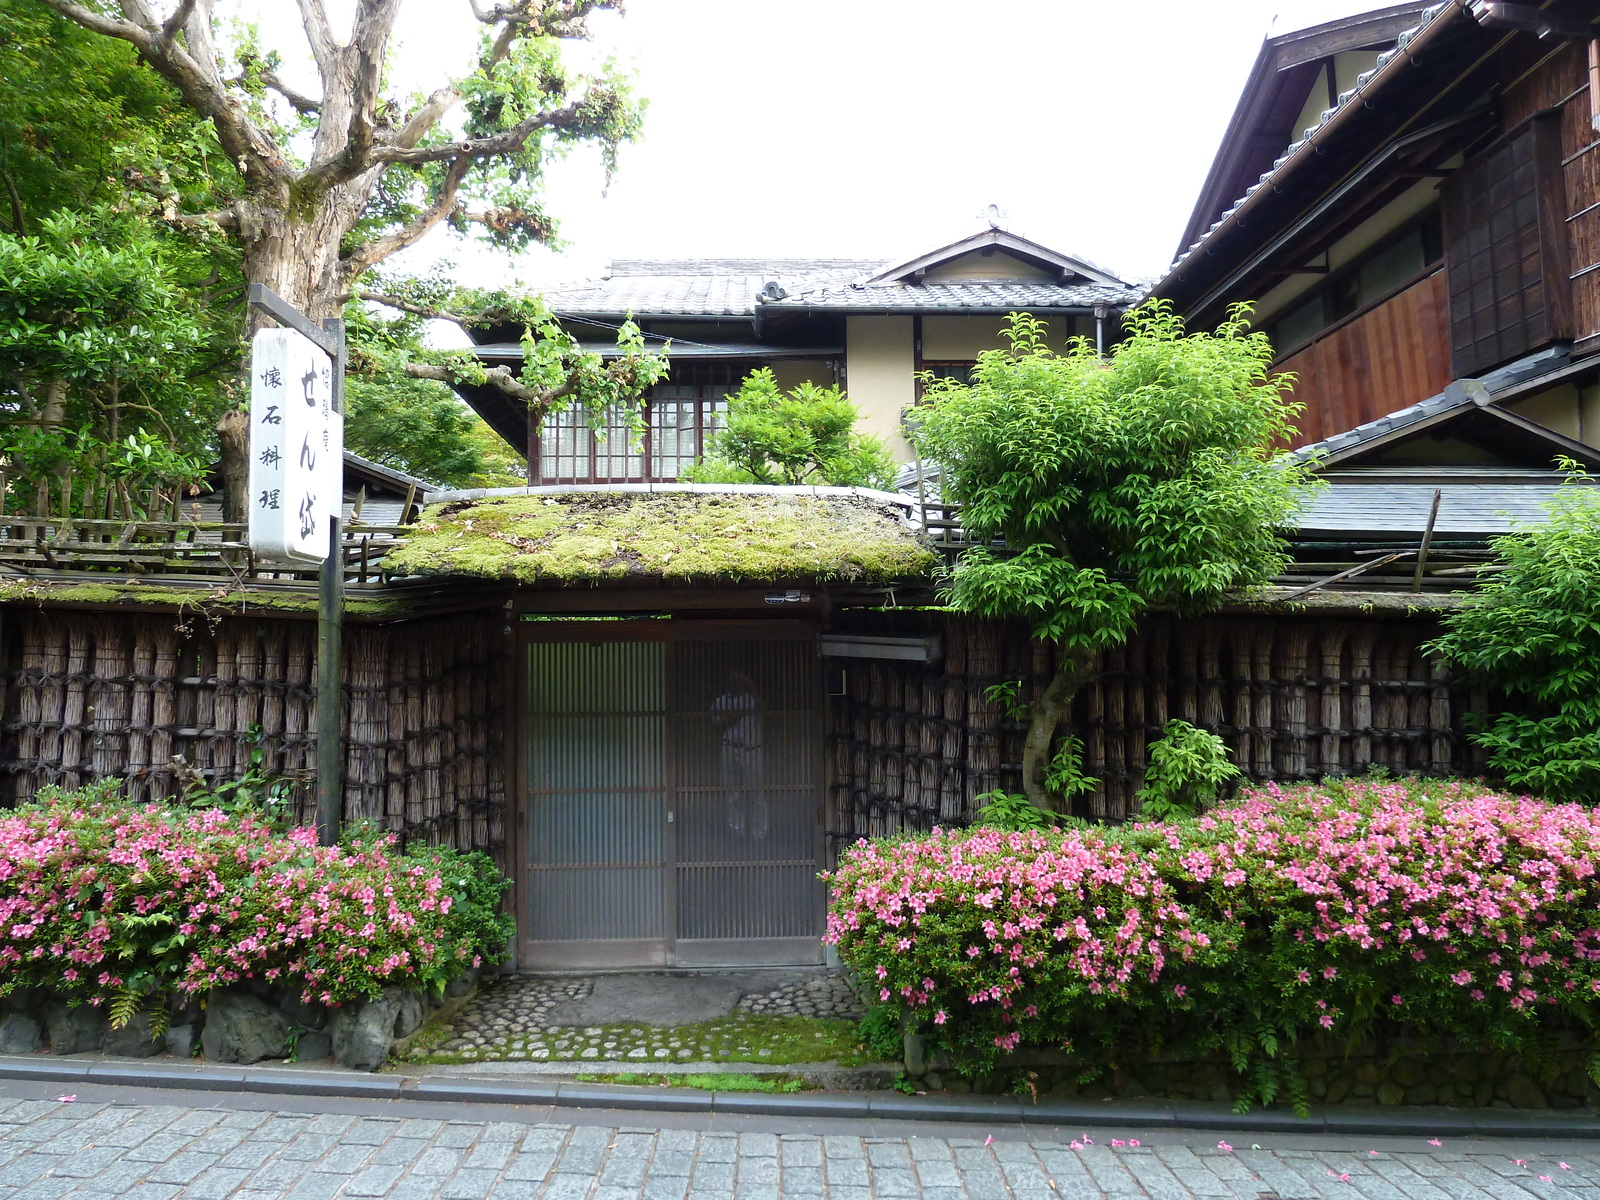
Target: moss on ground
{"points": [[718, 1081], [681, 536], [746, 1037]]}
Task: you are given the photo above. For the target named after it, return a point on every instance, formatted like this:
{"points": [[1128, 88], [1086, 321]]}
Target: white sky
{"points": [[879, 128]]}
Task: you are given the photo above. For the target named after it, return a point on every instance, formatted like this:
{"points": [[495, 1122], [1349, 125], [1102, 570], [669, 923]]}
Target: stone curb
{"points": [[1004, 1110]]}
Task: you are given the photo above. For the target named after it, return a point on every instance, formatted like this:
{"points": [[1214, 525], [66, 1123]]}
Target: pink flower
{"points": [[1224, 1147]]}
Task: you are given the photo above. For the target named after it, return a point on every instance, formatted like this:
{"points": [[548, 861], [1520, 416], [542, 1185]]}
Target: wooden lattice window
{"points": [[1506, 250], [680, 417]]}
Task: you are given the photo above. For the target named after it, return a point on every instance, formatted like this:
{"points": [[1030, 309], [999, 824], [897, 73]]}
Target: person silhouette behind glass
{"points": [[736, 714]]}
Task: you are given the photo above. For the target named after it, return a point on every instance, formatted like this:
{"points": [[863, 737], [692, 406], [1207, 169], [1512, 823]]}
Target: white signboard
{"points": [[296, 448]]}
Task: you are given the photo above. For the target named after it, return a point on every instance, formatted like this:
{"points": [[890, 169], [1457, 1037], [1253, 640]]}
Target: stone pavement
{"points": [[655, 1016], [100, 1147]]}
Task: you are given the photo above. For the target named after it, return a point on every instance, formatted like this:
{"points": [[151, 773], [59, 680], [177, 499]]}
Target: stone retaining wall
{"points": [[1393, 1076], [247, 1024]]}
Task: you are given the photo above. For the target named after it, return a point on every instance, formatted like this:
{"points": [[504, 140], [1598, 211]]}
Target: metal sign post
{"points": [[297, 483]]}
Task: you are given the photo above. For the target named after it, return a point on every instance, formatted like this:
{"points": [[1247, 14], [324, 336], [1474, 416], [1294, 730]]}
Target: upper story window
{"points": [[1370, 278], [679, 418], [960, 371]]}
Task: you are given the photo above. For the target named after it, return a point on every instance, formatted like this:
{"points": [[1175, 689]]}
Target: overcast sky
{"points": [[881, 128]]}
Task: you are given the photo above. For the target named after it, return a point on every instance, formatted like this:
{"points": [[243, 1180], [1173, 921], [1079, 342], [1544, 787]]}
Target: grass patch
{"points": [[717, 1081]]}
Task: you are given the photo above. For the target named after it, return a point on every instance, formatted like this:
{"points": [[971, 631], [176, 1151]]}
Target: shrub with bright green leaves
{"points": [[1187, 767], [804, 435], [1349, 911], [1532, 632]]}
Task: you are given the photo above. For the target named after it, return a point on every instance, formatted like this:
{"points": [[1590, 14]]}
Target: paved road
{"points": [[143, 1146]]}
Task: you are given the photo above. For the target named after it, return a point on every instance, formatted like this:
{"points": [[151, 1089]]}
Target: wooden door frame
{"points": [[645, 627]]}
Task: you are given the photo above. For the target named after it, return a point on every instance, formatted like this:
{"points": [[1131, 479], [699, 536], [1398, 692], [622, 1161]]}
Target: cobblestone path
{"points": [[51, 1150], [516, 1018]]}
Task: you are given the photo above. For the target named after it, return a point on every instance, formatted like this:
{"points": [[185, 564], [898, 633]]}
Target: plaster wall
{"points": [[1560, 409], [879, 364], [1403, 208], [791, 372], [997, 265], [963, 338]]}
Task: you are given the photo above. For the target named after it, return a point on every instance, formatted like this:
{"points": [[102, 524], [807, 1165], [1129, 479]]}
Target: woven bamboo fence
{"points": [[92, 696], [1295, 699]]}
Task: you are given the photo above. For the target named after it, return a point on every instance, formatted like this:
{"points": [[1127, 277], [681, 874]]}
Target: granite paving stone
{"points": [[167, 1153]]}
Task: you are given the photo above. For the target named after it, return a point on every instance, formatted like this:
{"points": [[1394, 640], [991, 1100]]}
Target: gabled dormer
{"points": [[994, 256]]}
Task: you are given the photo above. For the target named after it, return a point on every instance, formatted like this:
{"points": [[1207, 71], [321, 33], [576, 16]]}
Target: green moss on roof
{"points": [[225, 597], [670, 536]]}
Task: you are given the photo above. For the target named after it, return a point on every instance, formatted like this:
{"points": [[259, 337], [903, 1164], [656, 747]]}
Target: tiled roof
{"points": [[999, 296], [1473, 501], [1461, 394], [1345, 99], [697, 287], [732, 287]]}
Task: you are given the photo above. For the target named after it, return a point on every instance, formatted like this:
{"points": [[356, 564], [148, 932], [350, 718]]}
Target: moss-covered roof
{"points": [[223, 596], [677, 536]]}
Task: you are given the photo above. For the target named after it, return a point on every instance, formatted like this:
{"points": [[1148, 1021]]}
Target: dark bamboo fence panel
{"points": [[1295, 699], [89, 696]]}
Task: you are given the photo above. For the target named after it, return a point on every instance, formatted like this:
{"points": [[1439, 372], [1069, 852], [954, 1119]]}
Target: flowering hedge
{"points": [[104, 900], [1348, 910]]}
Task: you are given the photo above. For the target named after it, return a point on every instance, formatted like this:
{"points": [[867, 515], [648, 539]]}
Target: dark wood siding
{"points": [[1505, 250], [1386, 358]]}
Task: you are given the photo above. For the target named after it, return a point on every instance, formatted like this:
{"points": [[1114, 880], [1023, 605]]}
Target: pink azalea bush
{"points": [[101, 899], [1344, 910]]}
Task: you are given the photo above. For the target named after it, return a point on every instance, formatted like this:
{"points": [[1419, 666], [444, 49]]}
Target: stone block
{"points": [[1369, 1073], [241, 1027], [1338, 1089], [463, 985], [1523, 1092], [182, 1039], [300, 1014], [19, 1034], [74, 1029], [1408, 1072], [363, 1032], [1390, 1092], [916, 1054], [313, 1045], [136, 1039], [1422, 1093]]}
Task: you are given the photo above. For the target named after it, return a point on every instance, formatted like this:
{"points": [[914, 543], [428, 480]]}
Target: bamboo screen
{"points": [[1295, 699], [89, 696]]}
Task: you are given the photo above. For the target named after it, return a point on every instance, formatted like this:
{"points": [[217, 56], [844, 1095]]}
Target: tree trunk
{"points": [[233, 436], [1074, 669]]}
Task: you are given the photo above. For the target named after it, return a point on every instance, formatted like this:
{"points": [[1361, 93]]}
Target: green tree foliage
{"points": [[324, 185], [422, 427], [1532, 632], [804, 435], [108, 364], [1148, 477], [115, 353]]}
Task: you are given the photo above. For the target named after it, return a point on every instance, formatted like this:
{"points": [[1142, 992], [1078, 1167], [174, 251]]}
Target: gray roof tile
{"points": [[1001, 297], [732, 287]]}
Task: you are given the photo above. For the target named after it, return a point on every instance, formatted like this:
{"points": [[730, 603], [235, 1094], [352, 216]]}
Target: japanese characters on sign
{"points": [[296, 448]]}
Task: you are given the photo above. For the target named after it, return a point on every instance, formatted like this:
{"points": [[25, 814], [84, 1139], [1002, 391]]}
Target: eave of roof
{"points": [[1390, 66], [1280, 56]]}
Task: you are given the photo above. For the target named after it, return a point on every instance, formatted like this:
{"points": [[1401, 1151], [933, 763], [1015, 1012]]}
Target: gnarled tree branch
{"points": [[376, 251], [411, 306], [506, 142]]}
